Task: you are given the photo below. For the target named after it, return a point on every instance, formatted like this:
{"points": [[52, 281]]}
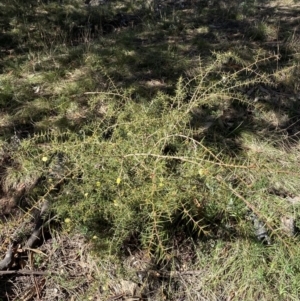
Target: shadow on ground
{"points": [[146, 51]]}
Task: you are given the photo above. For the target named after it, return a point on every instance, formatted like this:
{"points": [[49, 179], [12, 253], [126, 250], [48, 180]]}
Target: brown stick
{"points": [[25, 272]]}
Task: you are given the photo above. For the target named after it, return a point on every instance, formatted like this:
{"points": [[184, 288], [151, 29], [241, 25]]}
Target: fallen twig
{"points": [[25, 272]]}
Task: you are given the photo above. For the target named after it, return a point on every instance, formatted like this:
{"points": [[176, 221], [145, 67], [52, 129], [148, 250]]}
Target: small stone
{"points": [[288, 225]]}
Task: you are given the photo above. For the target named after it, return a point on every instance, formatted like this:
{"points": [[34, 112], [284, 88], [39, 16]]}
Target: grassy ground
{"points": [[164, 136]]}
